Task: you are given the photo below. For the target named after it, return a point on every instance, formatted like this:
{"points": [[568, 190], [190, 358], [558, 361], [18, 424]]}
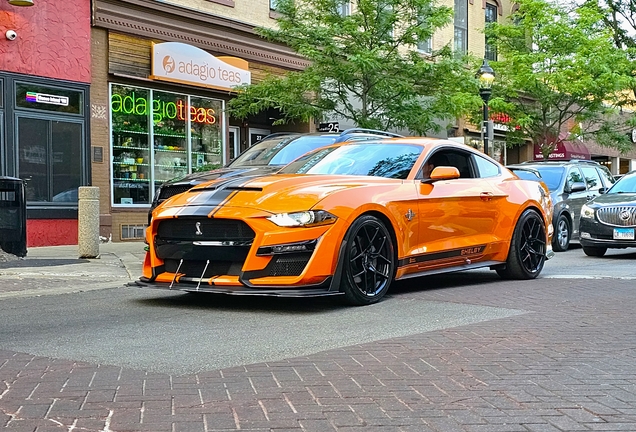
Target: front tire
{"points": [[368, 261], [527, 248], [594, 251], [562, 234]]}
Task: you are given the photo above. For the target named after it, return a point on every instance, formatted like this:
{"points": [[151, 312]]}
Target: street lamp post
{"points": [[486, 76]]}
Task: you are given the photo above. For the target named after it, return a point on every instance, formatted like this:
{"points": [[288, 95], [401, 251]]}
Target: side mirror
{"points": [[442, 173], [578, 187]]}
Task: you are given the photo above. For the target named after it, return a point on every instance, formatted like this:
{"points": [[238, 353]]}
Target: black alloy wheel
{"points": [[562, 234], [594, 251], [369, 263], [527, 248]]}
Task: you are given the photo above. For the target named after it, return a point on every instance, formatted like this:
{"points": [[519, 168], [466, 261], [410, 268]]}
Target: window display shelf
{"points": [[130, 148], [171, 151], [130, 132], [130, 164], [169, 135], [130, 179], [171, 166]]}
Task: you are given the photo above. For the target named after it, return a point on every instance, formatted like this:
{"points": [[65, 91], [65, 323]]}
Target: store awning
{"points": [[565, 150]]}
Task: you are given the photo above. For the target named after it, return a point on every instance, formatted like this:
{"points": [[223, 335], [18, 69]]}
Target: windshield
{"points": [[364, 159], [626, 184], [280, 150], [551, 176]]}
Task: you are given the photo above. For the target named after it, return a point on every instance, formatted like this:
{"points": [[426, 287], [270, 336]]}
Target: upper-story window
{"points": [[344, 9], [461, 26], [491, 17], [424, 45], [273, 4]]}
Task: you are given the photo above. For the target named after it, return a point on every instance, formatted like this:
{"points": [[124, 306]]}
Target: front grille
{"points": [[205, 229], [288, 265], [194, 269], [169, 191], [617, 216]]}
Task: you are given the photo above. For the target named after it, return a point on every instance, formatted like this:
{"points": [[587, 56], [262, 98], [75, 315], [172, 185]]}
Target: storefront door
{"points": [[257, 134], [50, 158], [235, 142]]}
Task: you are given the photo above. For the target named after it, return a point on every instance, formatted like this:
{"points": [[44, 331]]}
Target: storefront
{"points": [[162, 78]]}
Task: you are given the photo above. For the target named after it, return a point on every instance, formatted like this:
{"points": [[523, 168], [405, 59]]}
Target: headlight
{"points": [[304, 218], [587, 212]]}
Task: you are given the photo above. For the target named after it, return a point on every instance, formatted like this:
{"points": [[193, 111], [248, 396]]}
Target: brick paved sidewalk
{"points": [[566, 365]]}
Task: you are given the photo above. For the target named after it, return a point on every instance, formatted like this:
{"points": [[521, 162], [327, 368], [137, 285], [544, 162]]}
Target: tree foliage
{"points": [[560, 71], [364, 66]]}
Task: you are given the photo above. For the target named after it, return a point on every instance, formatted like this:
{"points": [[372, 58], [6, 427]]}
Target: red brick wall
{"points": [[53, 39]]}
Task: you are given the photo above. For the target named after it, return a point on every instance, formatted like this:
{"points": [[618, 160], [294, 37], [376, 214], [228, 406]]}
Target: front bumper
{"points": [[321, 290], [595, 234]]}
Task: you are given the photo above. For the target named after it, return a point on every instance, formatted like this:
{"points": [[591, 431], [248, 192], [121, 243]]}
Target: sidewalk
{"points": [[57, 269]]}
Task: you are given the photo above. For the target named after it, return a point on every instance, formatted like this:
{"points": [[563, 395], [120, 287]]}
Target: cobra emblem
{"points": [[198, 227], [624, 215]]}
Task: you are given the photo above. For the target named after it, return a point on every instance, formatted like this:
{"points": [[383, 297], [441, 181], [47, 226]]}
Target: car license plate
{"points": [[623, 233]]}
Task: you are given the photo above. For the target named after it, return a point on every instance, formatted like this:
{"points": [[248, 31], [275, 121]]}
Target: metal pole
{"points": [[485, 96]]}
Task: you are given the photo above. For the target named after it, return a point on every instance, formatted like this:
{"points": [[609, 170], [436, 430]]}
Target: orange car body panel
{"points": [[445, 224]]}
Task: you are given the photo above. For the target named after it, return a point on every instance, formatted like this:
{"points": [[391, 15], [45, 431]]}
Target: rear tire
{"points": [[594, 251], [526, 256], [368, 261], [562, 234]]}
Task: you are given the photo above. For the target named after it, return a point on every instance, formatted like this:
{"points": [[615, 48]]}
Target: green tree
{"points": [[363, 66], [560, 72]]}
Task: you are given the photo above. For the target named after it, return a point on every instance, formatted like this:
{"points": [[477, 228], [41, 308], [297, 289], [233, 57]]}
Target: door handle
{"points": [[486, 196]]}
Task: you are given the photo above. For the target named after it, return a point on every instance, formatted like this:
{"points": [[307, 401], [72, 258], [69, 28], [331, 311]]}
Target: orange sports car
{"points": [[348, 220]]}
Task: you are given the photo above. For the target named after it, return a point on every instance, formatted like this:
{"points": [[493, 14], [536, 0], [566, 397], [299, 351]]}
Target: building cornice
{"points": [[171, 23]]}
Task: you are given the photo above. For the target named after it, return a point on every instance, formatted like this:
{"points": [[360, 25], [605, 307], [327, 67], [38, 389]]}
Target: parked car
{"points": [[265, 157], [609, 220], [571, 184], [349, 219]]}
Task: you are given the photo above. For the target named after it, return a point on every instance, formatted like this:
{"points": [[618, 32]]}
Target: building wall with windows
{"points": [[45, 74], [162, 74], [255, 12]]}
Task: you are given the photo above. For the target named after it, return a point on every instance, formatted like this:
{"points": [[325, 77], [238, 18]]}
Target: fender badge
{"points": [[409, 215]]}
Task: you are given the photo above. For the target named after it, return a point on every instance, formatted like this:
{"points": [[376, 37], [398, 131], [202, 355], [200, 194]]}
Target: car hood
{"points": [[222, 173], [276, 193], [616, 199]]}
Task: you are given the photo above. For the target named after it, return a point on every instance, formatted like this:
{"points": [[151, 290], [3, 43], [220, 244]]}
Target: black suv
{"points": [[571, 184], [265, 157]]}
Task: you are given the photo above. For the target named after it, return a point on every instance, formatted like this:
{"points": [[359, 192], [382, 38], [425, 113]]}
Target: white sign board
{"points": [[186, 64]]}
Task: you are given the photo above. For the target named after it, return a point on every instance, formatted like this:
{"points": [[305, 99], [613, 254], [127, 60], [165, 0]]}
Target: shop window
{"points": [[158, 136], [169, 115], [50, 159], [44, 98], [207, 134], [130, 138]]}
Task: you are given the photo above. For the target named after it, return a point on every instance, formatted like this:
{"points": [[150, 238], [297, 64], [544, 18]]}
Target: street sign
{"points": [[329, 127]]}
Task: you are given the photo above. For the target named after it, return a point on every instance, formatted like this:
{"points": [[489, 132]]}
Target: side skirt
{"points": [[452, 269]]}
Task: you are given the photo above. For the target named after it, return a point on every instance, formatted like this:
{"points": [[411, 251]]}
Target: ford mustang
{"points": [[350, 219]]}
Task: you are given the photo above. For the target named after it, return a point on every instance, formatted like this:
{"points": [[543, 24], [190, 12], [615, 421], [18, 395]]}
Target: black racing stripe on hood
{"points": [[198, 211]]}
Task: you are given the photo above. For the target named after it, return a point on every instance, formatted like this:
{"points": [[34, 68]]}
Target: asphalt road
{"points": [[181, 333]]}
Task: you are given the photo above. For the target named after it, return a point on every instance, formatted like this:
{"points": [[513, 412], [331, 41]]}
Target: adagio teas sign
{"points": [[186, 64]]}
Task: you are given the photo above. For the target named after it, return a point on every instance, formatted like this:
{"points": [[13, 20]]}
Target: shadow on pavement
{"points": [[41, 262]]}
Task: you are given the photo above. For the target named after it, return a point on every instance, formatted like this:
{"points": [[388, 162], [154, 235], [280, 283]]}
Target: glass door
{"points": [[235, 144]]}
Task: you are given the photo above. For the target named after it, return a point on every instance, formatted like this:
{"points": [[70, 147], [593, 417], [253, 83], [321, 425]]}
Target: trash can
{"points": [[12, 216]]}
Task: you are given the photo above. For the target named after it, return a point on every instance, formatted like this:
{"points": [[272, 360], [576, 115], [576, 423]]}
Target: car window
{"points": [[626, 184], [552, 175], [526, 175], [606, 176], [486, 168], [280, 150], [364, 159], [574, 176], [591, 177], [453, 158]]}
